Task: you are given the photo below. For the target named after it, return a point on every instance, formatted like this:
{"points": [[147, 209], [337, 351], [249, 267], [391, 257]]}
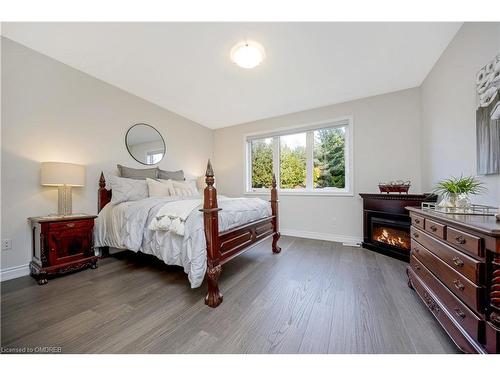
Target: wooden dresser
{"points": [[455, 269]]}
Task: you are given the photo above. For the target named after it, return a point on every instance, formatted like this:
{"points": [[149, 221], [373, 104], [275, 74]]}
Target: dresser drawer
{"points": [[417, 221], [464, 264], [443, 318], [469, 321], [66, 225], [465, 241], [435, 228], [466, 290]]}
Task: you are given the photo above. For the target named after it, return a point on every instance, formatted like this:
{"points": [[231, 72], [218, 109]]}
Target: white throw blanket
{"points": [[173, 215]]}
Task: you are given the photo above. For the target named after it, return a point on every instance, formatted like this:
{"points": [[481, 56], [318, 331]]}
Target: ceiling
{"points": [[185, 67]]}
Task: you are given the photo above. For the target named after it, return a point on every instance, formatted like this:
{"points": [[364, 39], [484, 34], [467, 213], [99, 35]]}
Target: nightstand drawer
{"points": [[73, 224]]}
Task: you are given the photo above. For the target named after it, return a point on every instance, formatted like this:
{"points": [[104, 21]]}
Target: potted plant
{"points": [[456, 191]]}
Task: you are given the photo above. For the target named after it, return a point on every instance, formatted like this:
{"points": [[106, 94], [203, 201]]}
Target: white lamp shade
{"points": [[59, 174]]}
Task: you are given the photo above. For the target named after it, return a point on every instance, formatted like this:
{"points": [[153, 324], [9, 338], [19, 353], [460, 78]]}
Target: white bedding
{"points": [[126, 226]]}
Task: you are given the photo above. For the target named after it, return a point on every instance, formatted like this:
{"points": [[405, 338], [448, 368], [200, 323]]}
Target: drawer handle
{"points": [[415, 235], [70, 225], [433, 228], [53, 250], [495, 317], [417, 267], [431, 303], [459, 312], [458, 262], [460, 239], [417, 221], [458, 285], [416, 249]]}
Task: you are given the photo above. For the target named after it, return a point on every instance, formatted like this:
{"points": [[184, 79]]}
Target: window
{"points": [[311, 160], [329, 158], [154, 157], [262, 162], [293, 161]]}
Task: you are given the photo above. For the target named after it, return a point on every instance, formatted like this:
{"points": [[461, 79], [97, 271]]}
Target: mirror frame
{"points": [[156, 130]]}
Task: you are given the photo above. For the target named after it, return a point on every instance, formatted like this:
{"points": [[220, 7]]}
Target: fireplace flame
{"points": [[387, 238]]}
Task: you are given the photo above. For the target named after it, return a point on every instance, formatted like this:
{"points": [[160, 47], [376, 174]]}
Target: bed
{"points": [[213, 233]]}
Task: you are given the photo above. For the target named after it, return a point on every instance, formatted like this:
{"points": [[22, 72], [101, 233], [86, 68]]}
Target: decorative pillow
{"points": [[137, 174], [171, 175], [158, 189], [127, 189], [181, 189]]}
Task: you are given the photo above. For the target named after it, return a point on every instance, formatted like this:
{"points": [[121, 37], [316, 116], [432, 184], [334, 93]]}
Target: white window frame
{"points": [[150, 154], [309, 129]]}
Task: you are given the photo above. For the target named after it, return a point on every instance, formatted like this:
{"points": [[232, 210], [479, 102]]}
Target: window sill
{"points": [[304, 193]]}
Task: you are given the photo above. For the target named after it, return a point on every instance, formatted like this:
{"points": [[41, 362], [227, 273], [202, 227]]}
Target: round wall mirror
{"points": [[145, 144]]}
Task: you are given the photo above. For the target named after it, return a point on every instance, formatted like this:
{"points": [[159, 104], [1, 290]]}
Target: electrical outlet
{"points": [[6, 244]]}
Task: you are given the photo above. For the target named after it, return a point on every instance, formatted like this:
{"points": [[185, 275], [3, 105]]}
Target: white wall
{"points": [[449, 108], [386, 147], [51, 112]]}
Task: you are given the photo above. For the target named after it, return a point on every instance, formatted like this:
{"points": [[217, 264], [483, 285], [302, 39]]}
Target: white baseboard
{"points": [[322, 236], [14, 272]]}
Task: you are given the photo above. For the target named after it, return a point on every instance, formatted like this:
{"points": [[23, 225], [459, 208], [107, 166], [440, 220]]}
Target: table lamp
{"points": [[64, 176]]}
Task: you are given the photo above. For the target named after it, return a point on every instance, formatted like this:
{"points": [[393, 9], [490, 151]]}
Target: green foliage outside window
{"points": [[293, 167], [328, 163], [262, 163], [329, 158]]}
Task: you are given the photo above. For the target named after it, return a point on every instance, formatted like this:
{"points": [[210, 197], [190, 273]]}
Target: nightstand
{"points": [[61, 244]]}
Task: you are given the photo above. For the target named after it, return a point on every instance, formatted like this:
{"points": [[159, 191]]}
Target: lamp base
{"points": [[64, 200]]}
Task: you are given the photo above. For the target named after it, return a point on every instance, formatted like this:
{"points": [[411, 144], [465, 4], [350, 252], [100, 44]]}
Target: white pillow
{"points": [[181, 188], [127, 189], [157, 188]]}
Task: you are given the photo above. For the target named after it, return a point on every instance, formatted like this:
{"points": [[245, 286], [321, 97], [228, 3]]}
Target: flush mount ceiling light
{"points": [[247, 54]]}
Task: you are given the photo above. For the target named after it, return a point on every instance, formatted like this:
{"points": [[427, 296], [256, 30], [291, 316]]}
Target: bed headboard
{"points": [[103, 194]]}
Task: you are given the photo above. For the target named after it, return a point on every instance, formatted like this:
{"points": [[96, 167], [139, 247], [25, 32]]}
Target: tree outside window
{"points": [[314, 160]]}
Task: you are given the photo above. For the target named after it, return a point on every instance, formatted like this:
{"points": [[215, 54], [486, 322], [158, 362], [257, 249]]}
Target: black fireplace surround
{"points": [[386, 222]]}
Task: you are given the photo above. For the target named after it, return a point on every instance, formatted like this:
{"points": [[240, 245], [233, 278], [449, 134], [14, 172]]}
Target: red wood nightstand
{"points": [[61, 244]]}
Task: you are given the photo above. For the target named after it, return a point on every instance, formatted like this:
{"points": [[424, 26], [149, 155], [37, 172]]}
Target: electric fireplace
{"points": [[391, 232], [386, 222]]}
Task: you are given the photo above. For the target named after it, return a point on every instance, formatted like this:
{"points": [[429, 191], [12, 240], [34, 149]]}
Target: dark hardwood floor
{"points": [[314, 297]]}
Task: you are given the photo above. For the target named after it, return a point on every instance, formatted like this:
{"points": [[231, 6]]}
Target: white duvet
{"points": [[127, 226]]}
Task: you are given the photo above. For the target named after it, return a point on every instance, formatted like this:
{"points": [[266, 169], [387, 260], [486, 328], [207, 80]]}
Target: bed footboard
{"points": [[222, 247]]}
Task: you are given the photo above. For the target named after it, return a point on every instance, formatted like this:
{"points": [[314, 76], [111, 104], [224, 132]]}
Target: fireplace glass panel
{"points": [[389, 233]]}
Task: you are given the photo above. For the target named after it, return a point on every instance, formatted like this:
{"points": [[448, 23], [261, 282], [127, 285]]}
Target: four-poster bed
{"points": [[221, 247]]}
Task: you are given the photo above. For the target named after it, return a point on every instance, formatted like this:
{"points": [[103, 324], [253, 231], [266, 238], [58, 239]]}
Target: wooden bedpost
{"points": [[211, 222], [102, 185], [103, 198], [274, 209], [103, 194]]}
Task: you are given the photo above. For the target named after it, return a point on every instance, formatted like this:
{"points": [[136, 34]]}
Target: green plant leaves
{"points": [[459, 185]]}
